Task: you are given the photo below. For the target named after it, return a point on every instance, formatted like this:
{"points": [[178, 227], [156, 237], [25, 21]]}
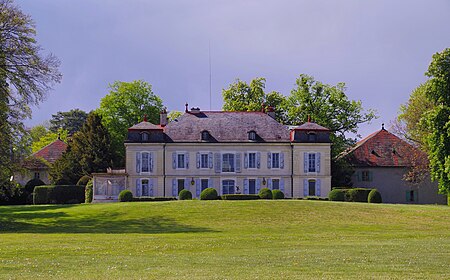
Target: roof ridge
{"points": [[48, 145]]}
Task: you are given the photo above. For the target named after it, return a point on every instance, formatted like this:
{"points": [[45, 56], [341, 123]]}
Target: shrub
{"points": [[265, 193], [239, 197], [125, 196], [58, 194], [374, 196], [208, 194], [185, 195], [12, 193], [89, 191], [29, 188], [315, 198], [277, 194], [63, 182], [337, 195], [357, 195], [83, 180], [157, 198]]}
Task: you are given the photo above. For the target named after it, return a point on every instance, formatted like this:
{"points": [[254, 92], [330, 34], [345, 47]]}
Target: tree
{"points": [[438, 119], [172, 115], [88, 151], [124, 106], [72, 121], [48, 138], [25, 78]]}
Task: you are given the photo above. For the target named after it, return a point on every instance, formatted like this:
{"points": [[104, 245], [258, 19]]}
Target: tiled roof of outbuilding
{"points": [[52, 151], [226, 127]]}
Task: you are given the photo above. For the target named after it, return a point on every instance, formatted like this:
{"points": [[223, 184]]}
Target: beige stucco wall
{"points": [[26, 175]]}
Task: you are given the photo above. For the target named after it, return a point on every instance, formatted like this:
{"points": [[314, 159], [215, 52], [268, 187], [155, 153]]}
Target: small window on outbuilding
{"points": [[252, 135], [312, 137], [144, 136], [205, 135]]}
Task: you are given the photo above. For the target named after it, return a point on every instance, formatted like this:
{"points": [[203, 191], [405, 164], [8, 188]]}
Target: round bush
{"points": [[265, 193], [125, 196], [277, 194], [184, 195], [209, 194], [374, 196], [336, 195], [83, 180], [89, 192]]}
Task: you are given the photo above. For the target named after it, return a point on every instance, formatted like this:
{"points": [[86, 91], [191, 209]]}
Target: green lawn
{"points": [[288, 239]]}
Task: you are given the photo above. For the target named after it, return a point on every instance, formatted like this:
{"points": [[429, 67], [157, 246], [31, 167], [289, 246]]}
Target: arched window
{"points": [[252, 135], [144, 136]]}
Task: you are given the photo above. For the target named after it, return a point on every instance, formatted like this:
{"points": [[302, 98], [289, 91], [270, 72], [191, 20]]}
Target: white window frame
{"points": [[256, 159], [150, 159], [227, 179], [149, 186], [256, 184], [309, 162], [178, 160], [279, 159], [279, 182], [207, 160], [222, 161]]}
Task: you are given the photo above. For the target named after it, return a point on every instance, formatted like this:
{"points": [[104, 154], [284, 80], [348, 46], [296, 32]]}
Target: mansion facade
{"points": [[233, 152]]}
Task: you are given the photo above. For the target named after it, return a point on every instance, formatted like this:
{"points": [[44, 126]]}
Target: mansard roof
{"points": [[144, 125], [310, 126]]}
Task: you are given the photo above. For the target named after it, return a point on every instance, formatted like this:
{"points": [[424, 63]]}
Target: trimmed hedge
{"points": [[89, 192], [150, 198], [84, 180], [58, 194], [29, 188], [277, 194], [185, 195], [265, 193], [125, 196], [239, 197], [357, 195], [316, 198], [374, 196], [209, 194], [337, 195]]}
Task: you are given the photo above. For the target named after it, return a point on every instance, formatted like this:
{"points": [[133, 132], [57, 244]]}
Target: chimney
{"points": [[271, 112], [186, 109], [163, 117]]}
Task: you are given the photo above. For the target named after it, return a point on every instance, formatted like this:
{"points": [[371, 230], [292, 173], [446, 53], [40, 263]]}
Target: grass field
{"points": [[288, 239]]}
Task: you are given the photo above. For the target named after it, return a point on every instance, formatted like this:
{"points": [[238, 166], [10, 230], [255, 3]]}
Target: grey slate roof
{"points": [[226, 127], [144, 126], [311, 126]]}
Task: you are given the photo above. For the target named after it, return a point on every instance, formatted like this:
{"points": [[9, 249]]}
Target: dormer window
{"points": [[252, 135], [312, 137], [205, 135], [144, 136]]}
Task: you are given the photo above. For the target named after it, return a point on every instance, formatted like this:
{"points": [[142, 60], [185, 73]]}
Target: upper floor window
{"points": [[204, 160], [252, 135], [275, 160], [181, 161], [251, 160], [205, 135], [311, 162], [144, 162], [144, 136], [145, 167], [37, 175], [228, 162], [312, 137]]}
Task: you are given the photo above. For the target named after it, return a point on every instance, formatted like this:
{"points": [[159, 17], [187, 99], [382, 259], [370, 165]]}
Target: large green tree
{"points": [[25, 77], [124, 106], [88, 151], [72, 121]]}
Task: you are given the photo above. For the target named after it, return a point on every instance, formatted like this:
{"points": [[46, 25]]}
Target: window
{"points": [[311, 188], [145, 162], [275, 184], [144, 136], [37, 175], [311, 162], [228, 163], [145, 185], [365, 176], [228, 187], [204, 161], [252, 186], [275, 160], [204, 183], [205, 135], [251, 135], [251, 160], [180, 185], [181, 161]]}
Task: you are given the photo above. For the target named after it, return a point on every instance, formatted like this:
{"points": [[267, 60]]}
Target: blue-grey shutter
{"points": [[138, 162], [186, 160], [138, 187], [198, 160], [238, 162], [305, 187], [174, 187], [198, 187], [317, 162], [150, 186], [210, 183], [245, 186], [305, 162], [245, 160], [258, 160], [210, 160], [258, 185], [217, 165], [281, 160], [318, 187], [269, 181], [269, 160], [151, 162], [282, 184], [174, 160]]}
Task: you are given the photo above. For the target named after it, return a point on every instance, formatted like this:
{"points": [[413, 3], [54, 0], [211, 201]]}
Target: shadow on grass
{"points": [[37, 219]]}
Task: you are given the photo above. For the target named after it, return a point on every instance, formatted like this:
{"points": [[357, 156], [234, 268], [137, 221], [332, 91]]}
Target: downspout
{"points": [[292, 171], [164, 169]]}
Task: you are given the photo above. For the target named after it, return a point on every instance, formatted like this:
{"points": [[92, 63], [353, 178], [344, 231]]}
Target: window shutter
{"points": [[150, 186], [174, 187], [269, 183], [174, 160], [245, 186], [198, 187], [281, 160], [187, 183], [258, 185], [198, 160], [210, 183], [269, 160], [282, 184], [138, 187], [318, 162], [238, 162], [318, 187], [186, 160], [305, 162], [370, 176], [258, 160], [245, 160], [210, 160], [138, 162], [151, 162], [305, 188], [217, 165]]}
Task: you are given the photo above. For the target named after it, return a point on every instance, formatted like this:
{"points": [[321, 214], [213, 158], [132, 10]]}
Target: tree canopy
{"points": [[71, 121]]}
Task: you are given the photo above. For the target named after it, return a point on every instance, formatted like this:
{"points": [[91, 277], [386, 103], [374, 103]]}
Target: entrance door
{"points": [[252, 186], [312, 187]]}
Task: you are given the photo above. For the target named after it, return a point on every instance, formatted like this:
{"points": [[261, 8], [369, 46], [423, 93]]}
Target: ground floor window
{"points": [[275, 184], [311, 187], [228, 186], [180, 185], [147, 189], [252, 186], [204, 183], [411, 196]]}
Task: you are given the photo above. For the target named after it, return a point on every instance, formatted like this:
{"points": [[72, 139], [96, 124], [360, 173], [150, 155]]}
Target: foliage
{"points": [[71, 121], [125, 196], [374, 196], [25, 78], [29, 188], [89, 191], [88, 151], [438, 119], [209, 194], [49, 138], [172, 115], [265, 193], [124, 106], [185, 195], [357, 195], [12, 193], [84, 180], [58, 194], [277, 194], [341, 172], [336, 195], [239, 197]]}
